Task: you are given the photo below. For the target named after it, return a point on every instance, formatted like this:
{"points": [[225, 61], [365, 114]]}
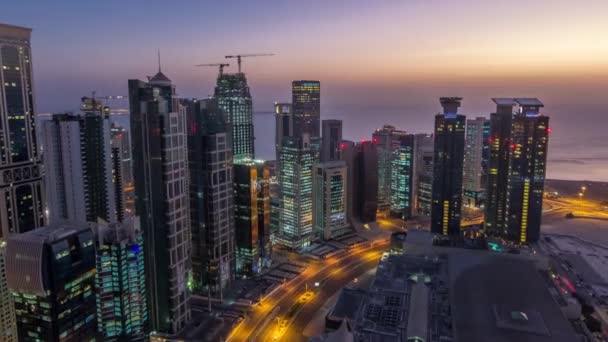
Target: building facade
{"points": [[402, 175], [422, 182], [79, 166], [362, 174], [123, 169], [386, 140], [476, 161], [21, 190], [158, 129], [122, 310], [306, 106], [298, 155], [8, 325], [234, 99], [517, 167], [330, 191], [51, 274], [210, 164], [331, 138], [447, 168]]}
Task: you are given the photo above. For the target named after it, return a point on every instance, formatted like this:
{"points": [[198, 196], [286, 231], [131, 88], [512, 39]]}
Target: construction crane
{"points": [[221, 65], [238, 57]]}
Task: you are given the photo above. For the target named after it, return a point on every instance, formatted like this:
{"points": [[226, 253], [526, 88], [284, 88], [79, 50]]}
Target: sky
{"points": [[379, 61]]}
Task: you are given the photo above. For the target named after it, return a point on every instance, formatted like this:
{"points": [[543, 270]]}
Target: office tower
{"points": [[401, 184], [422, 174], [79, 166], [475, 161], [233, 98], [122, 311], [8, 325], [211, 198], [306, 106], [295, 177], [283, 125], [331, 138], [123, 169], [518, 153], [447, 168], [330, 190], [386, 143], [252, 215], [51, 274], [158, 130], [21, 190], [362, 165]]}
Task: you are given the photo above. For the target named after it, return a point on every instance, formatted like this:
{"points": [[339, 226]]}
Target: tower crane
{"points": [[221, 65], [238, 57]]}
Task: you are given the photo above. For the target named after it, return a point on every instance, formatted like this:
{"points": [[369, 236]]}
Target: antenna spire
{"points": [[158, 60]]}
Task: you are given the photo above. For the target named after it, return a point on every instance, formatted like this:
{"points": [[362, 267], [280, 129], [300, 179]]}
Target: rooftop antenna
{"points": [[159, 60]]}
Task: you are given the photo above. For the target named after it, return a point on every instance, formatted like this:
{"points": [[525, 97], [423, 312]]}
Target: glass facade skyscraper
{"points": [[401, 181], [158, 129], [122, 310], [51, 274], [362, 165], [475, 161], [234, 99], [332, 136], [306, 104], [447, 168]]}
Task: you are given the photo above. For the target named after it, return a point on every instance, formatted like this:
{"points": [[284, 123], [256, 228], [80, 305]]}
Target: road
{"points": [[333, 273]]}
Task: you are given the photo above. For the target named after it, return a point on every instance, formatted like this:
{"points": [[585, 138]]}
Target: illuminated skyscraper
{"points": [[386, 140], [210, 164], [402, 174], [233, 98], [21, 195], [51, 274], [447, 168], [518, 145], [158, 129], [330, 143], [122, 311], [79, 166], [476, 161], [123, 169], [422, 174], [306, 104], [283, 125], [330, 191], [8, 325], [298, 155]]}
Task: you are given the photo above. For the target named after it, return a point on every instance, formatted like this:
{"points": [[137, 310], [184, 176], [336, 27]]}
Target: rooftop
{"points": [[529, 102], [504, 101]]}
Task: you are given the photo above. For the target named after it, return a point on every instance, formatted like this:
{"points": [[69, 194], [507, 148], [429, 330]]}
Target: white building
{"points": [[329, 199]]}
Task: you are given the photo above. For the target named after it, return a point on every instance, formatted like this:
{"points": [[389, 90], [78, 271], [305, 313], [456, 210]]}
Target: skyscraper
{"points": [[158, 129], [123, 169], [51, 273], [283, 125], [475, 161], [295, 176], [233, 98], [211, 197], [79, 166], [306, 105], [447, 168], [21, 195], [517, 169], [362, 175], [122, 310], [330, 191], [422, 174], [402, 174], [331, 138], [386, 140], [252, 214], [8, 325]]}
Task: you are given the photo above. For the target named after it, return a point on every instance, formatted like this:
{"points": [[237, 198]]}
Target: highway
{"points": [[262, 324]]}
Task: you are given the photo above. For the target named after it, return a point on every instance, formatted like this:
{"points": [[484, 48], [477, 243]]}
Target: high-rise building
{"points": [[21, 190], [21, 177], [330, 191], [252, 215], [79, 166], [211, 197], [330, 143], [158, 130], [517, 165], [123, 169], [51, 274], [306, 106], [122, 310], [233, 98], [283, 125], [447, 168], [362, 174], [386, 140], [475, 161], [298, 155], [402, 174], [422, 174]]}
